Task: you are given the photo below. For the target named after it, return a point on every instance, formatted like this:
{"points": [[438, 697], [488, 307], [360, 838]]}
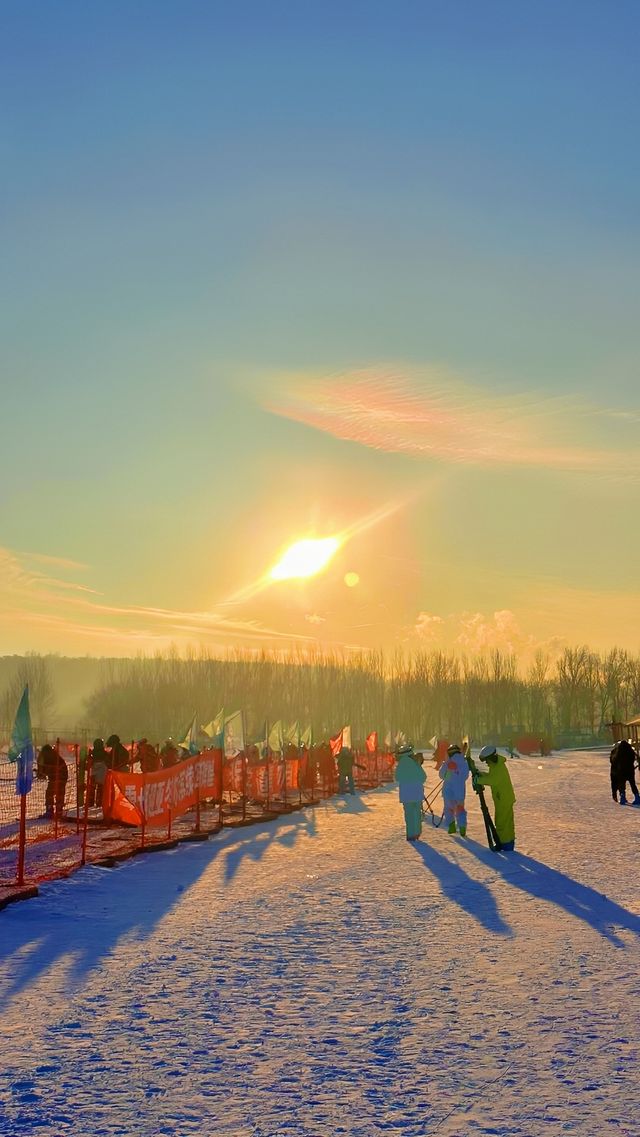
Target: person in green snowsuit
{"points": [[499, 782], [410, 778]]}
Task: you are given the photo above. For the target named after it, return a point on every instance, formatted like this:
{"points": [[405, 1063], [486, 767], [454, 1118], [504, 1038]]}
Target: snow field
{"points": [[318, 975]]}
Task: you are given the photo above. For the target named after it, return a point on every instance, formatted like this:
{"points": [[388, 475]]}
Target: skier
{"points": [[454, 772], [410, 778], [499, 782], [622, 759]]}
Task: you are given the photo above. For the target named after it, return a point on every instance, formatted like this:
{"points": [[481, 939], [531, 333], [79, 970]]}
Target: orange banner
{"points": [[154, 799], [258, 782]]}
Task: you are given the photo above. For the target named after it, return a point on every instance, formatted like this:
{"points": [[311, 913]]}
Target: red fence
{"points": [[70, 819]]}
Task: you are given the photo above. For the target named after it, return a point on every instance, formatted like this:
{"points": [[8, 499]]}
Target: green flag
{"points": [[276, 741], [21, 746], [234, 734], [190, 740], [292, 734], [306, 738], [215, 729]]}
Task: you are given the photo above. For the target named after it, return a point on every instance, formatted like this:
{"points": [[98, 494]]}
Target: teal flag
{"points": [[21, 746]]}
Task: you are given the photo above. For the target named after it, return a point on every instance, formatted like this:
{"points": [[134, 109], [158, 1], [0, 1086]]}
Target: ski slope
{"points": [[318, 975]]}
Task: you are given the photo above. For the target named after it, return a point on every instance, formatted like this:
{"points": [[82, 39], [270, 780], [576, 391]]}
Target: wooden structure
{"points": [[630, 730]]}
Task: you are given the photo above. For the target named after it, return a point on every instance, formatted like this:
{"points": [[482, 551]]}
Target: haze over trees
{"points": [[569, 699]]}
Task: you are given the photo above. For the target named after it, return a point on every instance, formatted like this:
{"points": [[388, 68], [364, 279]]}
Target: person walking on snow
{"points": [[345, 762], [410, 778], [454, 772], [499, 782], [623, 760]]}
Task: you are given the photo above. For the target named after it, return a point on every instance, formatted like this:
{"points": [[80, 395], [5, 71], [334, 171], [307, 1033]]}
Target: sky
{"points": [[295, 270]]}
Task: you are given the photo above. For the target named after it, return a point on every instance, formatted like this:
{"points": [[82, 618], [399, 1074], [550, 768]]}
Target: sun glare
{"points": [[305, 558]]}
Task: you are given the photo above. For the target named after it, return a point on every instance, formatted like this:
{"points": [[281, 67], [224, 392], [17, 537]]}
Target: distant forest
{"points": [[568, 700]]}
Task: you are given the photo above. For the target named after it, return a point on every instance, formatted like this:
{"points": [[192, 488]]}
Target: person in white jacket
{"points": [[410, 778], [454, 772]]}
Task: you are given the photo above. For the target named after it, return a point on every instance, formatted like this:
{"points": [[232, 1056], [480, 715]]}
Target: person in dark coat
{"points": [[119, 753], [53, 767], [148, 758], [100, 763], [169, 754], [346, 762], [623, 761]]}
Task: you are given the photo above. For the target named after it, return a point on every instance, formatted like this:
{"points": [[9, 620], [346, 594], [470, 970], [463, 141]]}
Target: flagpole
{"points": [[23, 838], [268, 757], [284, 765], [244, 766]]}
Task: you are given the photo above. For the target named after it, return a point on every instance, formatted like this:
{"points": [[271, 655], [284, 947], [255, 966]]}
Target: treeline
{"points": [[570, 699], [567, 700]]}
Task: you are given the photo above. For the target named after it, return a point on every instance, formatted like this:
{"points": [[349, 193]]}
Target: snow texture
{"points": [[319, 975]]}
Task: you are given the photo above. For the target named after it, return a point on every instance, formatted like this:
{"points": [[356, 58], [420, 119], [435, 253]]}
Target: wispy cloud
{"points": [[56, 562], [432, 414], [28, 597]]}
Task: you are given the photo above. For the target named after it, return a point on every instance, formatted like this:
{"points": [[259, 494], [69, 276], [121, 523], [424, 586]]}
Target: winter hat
{"points": [[487, 753], [406, 748]]}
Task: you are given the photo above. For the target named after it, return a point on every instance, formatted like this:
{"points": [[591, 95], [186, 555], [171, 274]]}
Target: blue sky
{"points": [[200, 199]]}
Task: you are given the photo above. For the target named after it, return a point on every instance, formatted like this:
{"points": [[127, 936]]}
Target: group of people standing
{"points": [[623, 772], [454, 770]]}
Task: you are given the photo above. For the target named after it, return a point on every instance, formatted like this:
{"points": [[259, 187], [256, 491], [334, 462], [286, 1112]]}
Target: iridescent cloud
{"points": [[434, 415]]}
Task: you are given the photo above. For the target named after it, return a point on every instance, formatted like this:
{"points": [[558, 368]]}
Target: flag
{"points": [[336, 743], [233, 734], [306, 738], [372, 742], [190, 740], [433, 742], [215, 730], [21, 746], [292, 734], [262, 742], [276, 740], [387, 740], [346, 736]]}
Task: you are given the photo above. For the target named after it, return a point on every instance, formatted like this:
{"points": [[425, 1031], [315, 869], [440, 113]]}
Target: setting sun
{"points": [[305, 558]]}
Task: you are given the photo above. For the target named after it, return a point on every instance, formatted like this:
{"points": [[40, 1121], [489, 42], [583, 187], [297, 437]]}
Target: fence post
{"points": [[56, 791], [23, 838], [77, 752], [220, 805], [313, 771], [87, 794], [197, 804]]}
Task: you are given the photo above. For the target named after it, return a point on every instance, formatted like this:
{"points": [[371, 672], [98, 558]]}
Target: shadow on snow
{"points": [[81, 920], [472, 895], [578, 900]]}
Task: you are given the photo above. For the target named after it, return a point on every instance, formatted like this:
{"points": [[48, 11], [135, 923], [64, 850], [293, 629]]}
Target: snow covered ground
{"points": [[318, 975]]}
